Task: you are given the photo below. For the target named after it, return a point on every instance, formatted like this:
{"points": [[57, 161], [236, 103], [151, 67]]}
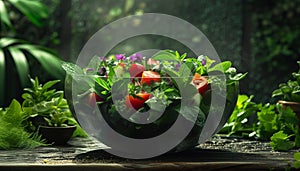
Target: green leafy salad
{"points": [[142, 97]]}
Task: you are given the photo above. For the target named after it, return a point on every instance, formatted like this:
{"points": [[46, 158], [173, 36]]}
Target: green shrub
{"points": [[12, 130]]}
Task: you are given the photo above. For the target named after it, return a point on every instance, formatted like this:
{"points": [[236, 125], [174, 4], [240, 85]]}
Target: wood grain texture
{"points": [[218, 154]]}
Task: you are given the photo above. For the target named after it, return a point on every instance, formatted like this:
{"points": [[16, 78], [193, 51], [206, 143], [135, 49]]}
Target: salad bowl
{"points": [[140, 98]]}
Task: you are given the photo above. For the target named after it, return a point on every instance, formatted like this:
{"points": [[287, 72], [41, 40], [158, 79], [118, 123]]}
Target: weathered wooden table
{"points": [[219, 153]]}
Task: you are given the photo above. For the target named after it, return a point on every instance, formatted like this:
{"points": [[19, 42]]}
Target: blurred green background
{"points": [[259, 37]]}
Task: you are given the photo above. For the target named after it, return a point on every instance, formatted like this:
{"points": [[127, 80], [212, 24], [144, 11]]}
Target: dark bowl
{"points": [[56, 135], [150, 130]]}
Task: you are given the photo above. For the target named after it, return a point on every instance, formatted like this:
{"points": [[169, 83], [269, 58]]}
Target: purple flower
{"points": [[132, 58], [202, 59], [120, 57], [203, 62], [102, 58], [177, 66], [102, 71], [137, 57]]}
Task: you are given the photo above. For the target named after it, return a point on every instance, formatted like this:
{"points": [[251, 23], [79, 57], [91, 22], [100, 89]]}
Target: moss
{"points": [[12, 131]]}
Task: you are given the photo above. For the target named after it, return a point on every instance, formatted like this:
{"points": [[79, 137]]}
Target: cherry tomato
{"points": [[200, 83], [136, 70], [136, 102], [150, 76], [93, 98]]}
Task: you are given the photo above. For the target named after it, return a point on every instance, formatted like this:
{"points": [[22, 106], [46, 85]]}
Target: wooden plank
{"points": [[188, 166], [228, 154]]}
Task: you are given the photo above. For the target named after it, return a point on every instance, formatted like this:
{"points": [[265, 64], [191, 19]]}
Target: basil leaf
{"points": [[165, 56], [221, 66], [72, 69]]}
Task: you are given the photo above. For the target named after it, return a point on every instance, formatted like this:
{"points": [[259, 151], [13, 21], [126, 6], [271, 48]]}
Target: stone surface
{"points": [[51, 154]]}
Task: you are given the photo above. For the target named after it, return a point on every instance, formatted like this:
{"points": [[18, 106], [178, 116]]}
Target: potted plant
{"points": [[131, 86], [290, 93], [48, 112]]}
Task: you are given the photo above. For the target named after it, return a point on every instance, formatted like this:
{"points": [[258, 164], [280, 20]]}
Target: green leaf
{"points": [[280, 135], [286, 89], [296, 91], [177, 54], [21, 64], [277, 92], [35, 83], [111, 75], [280, 142], [26, 96], [296, 164], [72, 69], [165, 55], [209, 62], [191, 66], [268, 121], [34, 10], [94, 63], [7, 41], [2, 76], [4, 16], [102, 83], [297, 156], [50, 62], [182, 57], [193, 113], [221, 67], [241, 100], [79, 132], [185, 73], [238, 77], [155, 104], [13, 113], [49, 84], [120, 86]]}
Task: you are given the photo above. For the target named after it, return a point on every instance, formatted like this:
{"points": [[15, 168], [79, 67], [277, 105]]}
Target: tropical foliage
{"points": [[18, 56]]}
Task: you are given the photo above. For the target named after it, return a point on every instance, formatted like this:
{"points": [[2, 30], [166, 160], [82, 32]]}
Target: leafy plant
{"points": [[12, 130], [278, 125], [39, 93], [268, 121], [272, 123], [17, 54], [280, 141], [296, 164], [40, 101], [239, 122], [57, 120], [55, 111], [290, 91]]}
